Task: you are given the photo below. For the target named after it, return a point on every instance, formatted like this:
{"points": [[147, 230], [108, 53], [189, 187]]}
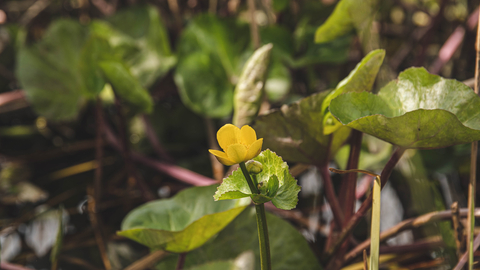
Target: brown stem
{"points": [[96, 225], [387, 170], [217, 167], [99, 124], [181, 261], [147, 261], [11, 266], [405, 225], [131, 170], [348, 189], [330, 194], [464, 257], [458, 229], [350, 179]]}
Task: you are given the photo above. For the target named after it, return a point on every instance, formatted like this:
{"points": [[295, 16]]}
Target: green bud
{"points": [[254, 167]]}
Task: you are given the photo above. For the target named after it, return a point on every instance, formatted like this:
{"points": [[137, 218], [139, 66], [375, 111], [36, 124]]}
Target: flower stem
{"points": [[253, 188], [263, 240]]}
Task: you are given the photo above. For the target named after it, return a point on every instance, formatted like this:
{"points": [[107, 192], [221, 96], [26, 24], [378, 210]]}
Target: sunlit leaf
{"points": [[182, 223], [418, 110], [359, 80], [289, 249], [283, 194]]}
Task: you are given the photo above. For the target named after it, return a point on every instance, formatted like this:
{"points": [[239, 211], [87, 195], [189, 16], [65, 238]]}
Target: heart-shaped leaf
{"points": [[283, 193], [49, 71], [359, 80], [418, 110], [182, 223], [209, 64], [289, 249]]}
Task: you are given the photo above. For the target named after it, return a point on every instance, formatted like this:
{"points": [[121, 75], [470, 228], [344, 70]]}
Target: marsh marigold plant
{"points": [[239, 145]]}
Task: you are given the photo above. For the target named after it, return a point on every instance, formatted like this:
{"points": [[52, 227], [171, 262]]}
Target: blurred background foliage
{"points": [[163, 74]]}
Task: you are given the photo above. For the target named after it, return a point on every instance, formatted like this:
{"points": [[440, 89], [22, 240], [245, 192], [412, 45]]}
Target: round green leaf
{"points": [[289, 249], [49, 71], [418, 110], [203, 85], [182, 223]]}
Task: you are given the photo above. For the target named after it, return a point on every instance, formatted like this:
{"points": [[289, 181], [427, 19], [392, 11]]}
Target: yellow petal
{"points": [[237, 152], [254, 149], [221, 157], [228, 135], [247, 135]]}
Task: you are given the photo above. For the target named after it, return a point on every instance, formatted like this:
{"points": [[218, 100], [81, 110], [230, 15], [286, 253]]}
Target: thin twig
{"points": [[385, 175], [405, 225], [448, 49], [473, 164], [365, 260], [79, 262], [99, 124], [330, 194], [11, 266], [464, 258], [125, 151], [97, 229], [458, 229], [147, 261], [253, 24]]}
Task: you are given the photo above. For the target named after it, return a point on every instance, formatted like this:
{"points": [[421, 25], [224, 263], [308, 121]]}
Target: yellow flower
{"points": [[239, 145]]}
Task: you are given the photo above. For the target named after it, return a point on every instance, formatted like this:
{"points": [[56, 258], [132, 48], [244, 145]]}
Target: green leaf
{"points": [[295, 132], [49, 71], [182, 223], [359, 80], [94, 51], [418, 110], [127, 86], [209, 64], [289, 249], [224, 39], [150, 57], [248, 93], [203, 85], [286, 197], [347, 16]]}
